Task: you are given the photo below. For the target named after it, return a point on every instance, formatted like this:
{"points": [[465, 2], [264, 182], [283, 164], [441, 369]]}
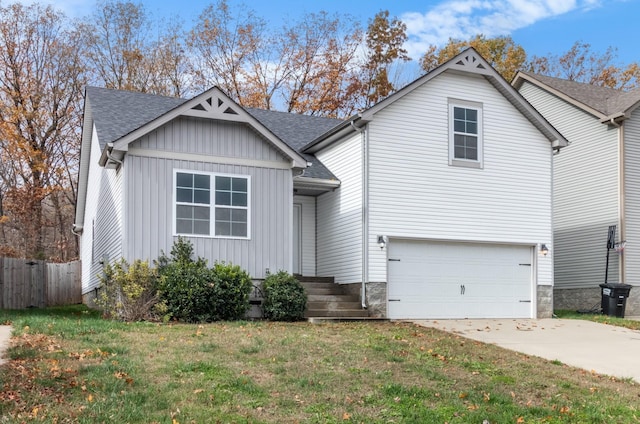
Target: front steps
{"points": [[326, 299]]}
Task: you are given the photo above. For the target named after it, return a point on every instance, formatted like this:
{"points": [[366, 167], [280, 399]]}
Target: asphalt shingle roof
{"points": [[607, 101], [298, 131], [116, 113]]}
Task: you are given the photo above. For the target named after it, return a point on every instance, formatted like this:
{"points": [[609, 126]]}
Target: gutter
{"points": [[77, 229], [316, 182], [335, 134], [615, 120]]}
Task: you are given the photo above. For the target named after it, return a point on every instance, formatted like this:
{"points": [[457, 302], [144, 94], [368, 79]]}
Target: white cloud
{"points": [[462, 19]]}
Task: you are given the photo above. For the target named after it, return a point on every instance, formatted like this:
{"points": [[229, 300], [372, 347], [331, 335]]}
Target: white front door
{"points": [[297, 237], [459, 280]]}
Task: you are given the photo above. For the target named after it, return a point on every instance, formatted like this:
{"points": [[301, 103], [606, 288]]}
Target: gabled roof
{"points": [[211, 104], [602, 102], [468, 61], [118, 113]]}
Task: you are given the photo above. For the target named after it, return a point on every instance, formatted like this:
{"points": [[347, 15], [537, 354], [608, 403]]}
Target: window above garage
{"points": [[465, 134]]}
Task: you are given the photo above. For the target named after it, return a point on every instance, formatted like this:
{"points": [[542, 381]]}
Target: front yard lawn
{"points": [[69, 365], [603, 319]]}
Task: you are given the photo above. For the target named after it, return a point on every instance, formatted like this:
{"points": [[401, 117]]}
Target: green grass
{"points": [[604, 319], [69, 365]]}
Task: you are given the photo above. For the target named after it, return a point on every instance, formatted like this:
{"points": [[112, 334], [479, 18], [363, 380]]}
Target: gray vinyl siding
{"points": [[585, 191], [415, 194], [202, 136], [339, 213], [150, 197], [308, 236], [103, 211], [632, 197], [108, 224]]}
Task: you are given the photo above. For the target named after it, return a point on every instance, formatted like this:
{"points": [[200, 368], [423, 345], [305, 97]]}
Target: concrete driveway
{"points": [[5, 335], [599, 348]]}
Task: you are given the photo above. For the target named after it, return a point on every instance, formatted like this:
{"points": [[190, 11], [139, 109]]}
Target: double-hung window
{"points": [[214, 205], [465, 134]]}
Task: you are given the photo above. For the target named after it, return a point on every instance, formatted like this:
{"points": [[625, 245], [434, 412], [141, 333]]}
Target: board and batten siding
{"points": [[150, 194], [210, 137], [631, 131], [339, 213], [585, 191], [104, 213], [415, 194], [307, 234]]}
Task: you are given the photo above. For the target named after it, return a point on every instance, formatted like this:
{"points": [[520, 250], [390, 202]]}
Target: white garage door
{"points": [[459, 280]]}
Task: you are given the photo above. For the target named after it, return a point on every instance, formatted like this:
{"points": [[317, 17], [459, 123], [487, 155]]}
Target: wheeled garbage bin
{"points": [[614, 299]]}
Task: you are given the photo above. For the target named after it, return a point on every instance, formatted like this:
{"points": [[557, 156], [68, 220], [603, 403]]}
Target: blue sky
{"points": [[540, 26]]}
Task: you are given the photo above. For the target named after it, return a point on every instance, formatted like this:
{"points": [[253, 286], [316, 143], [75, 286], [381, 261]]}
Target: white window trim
{"points": [[467, 163], [212, 204]]}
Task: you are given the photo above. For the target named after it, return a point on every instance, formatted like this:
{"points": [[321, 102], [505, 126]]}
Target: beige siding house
{"points": [[434, 203], [596, 185]]}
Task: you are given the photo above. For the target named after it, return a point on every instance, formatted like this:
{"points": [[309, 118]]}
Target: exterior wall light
{"points": [[382, 242], [544, 249]]}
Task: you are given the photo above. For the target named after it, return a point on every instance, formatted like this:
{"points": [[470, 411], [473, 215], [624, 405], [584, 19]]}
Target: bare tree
{"points": [[41, 80], [580, 63]]}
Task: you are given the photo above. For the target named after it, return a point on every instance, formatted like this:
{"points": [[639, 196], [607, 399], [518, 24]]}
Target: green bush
{"points": [[129, 292], [284, 298], [188, 290], [233, 286], [195, 293]]}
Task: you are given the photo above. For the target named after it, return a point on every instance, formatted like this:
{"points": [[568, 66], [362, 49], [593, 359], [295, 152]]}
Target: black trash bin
{"points": [[614, 298]]}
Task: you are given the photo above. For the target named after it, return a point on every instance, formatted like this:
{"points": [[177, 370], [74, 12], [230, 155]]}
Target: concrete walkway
{"points": [[600, 348], [5, 335]]}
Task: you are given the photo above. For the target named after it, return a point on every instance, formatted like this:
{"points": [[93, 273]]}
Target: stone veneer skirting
{"points": [[590, 298]]}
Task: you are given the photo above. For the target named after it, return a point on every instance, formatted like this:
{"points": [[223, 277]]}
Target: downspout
{"points": [[364, 134], [112, 158], [621, 200]]}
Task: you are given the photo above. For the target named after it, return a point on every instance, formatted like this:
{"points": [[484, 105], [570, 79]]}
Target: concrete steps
{"points": [[326, 299]]}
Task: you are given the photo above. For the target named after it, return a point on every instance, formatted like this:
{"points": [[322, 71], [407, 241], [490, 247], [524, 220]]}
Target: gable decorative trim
{"points": [[217, 107], [212, 104]]}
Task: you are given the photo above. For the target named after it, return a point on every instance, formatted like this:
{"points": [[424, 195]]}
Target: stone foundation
{"points": [[377, 299], [545, 302], [590, 299], [89, 299]]}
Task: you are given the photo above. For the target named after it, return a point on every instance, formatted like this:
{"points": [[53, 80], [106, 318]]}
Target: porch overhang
{"points": [[306, 186]]}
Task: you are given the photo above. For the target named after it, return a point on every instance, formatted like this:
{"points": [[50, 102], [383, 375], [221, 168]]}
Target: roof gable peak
{"points": [[214, 105], [470, 60]]}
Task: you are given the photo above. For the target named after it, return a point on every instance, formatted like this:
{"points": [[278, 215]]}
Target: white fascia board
{"points": [[325, 140], [524, 107], [520, 78], [88, 129]]}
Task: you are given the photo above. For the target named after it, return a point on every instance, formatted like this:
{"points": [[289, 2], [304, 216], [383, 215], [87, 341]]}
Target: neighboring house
{"points": [[596, 185], [434, 203]]}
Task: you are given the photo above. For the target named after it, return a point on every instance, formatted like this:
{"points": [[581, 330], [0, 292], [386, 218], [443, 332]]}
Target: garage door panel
{"points": [[459, 280]]}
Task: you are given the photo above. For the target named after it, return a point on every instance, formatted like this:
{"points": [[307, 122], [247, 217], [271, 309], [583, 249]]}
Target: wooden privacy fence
{"points": [[28, 283]]}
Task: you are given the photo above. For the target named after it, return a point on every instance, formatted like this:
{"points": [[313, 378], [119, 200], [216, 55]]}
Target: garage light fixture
{"points": [[544, 249], [382, 242]]}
